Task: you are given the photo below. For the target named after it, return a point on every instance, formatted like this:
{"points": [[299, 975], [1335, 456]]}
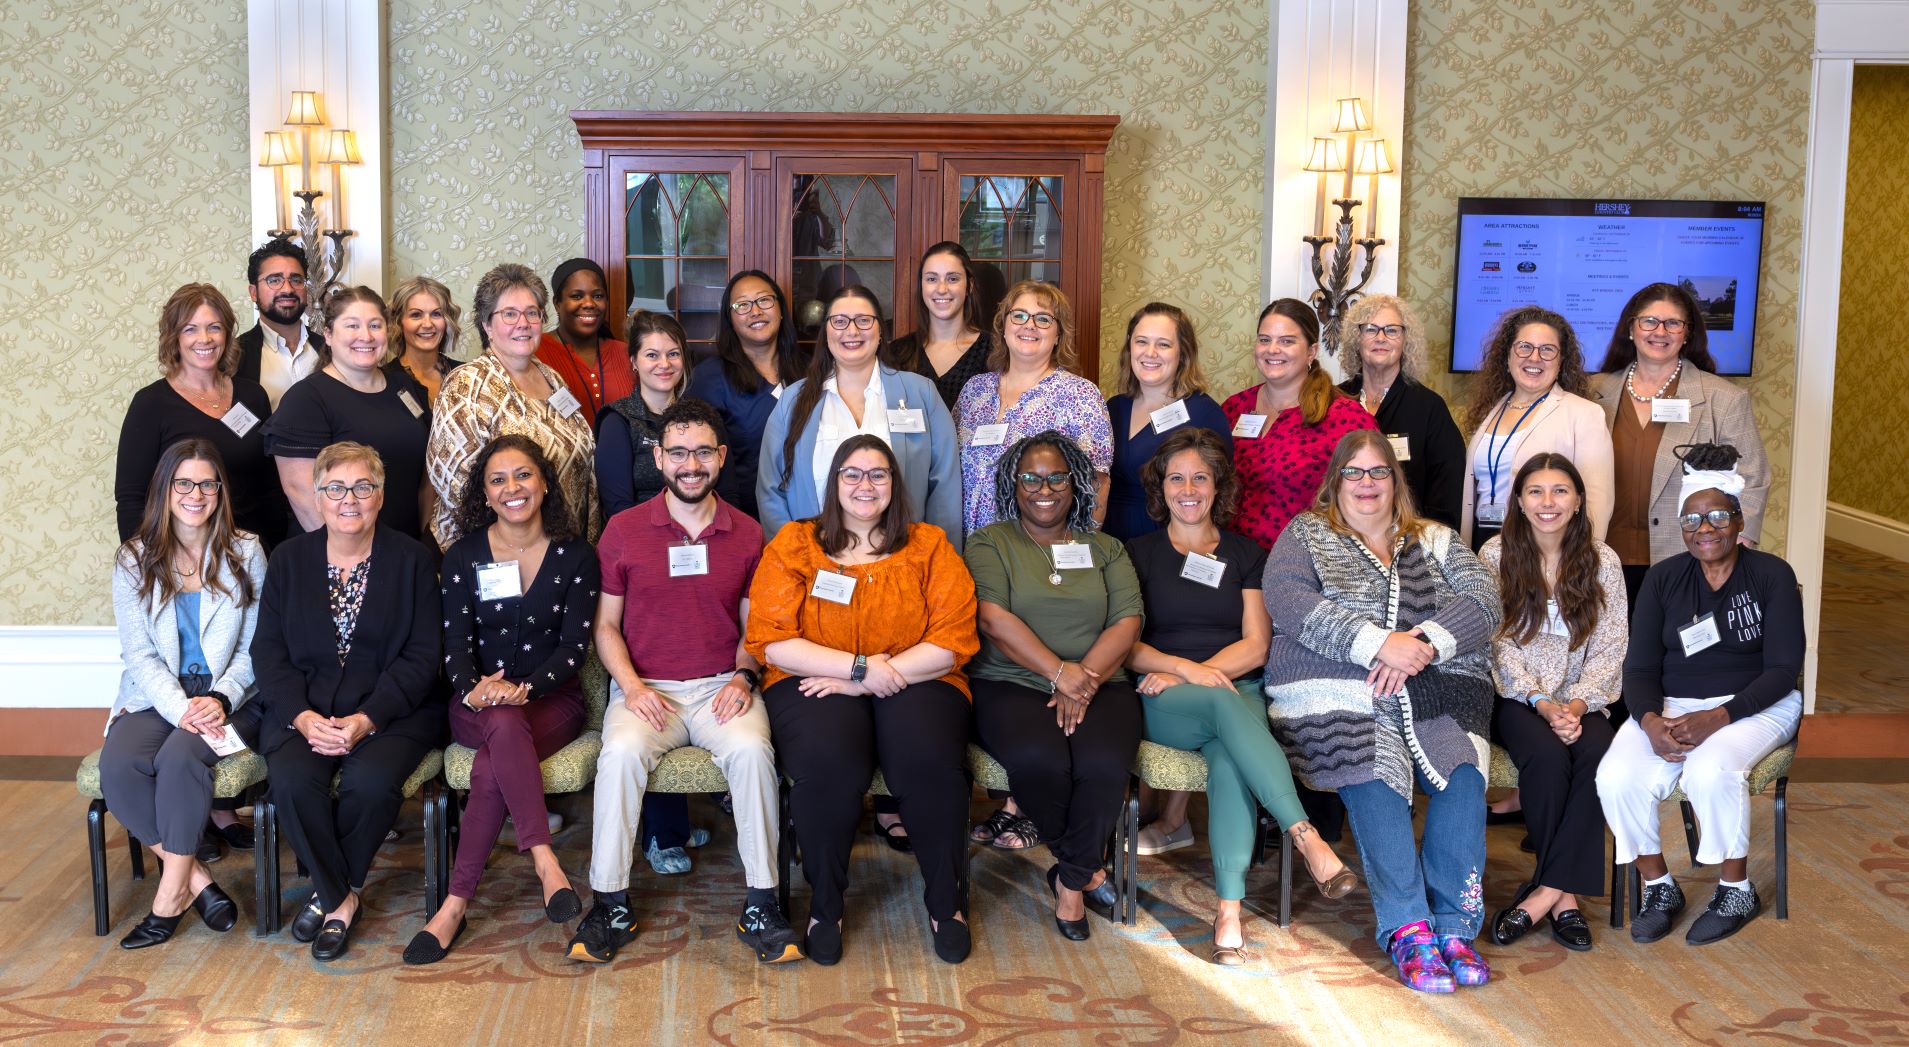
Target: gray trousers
{"points": [[157, 780]]}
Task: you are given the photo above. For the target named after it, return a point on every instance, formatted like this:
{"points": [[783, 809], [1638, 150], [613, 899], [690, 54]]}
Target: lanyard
{"points": [[1494, 453]]}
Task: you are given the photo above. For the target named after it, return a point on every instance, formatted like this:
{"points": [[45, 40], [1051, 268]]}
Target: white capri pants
{"points": [[1633, 781], [631, 749]]}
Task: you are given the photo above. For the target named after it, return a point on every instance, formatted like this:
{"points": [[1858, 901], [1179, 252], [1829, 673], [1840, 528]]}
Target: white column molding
{"points": [[337, 48], [59, 667]]}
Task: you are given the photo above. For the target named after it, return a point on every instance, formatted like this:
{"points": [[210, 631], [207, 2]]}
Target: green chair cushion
{"points": [[1764, 774], [1164, 767], [568, 770], [231, 776], [986, 772], [428, 768], [1503, 773], [689, 769]]}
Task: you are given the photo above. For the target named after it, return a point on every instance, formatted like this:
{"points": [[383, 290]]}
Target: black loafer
{"points": [[1072, 930], [952, 940], [424, 947], [208, 850], [824, 944], [237, 836], [215, 907], [152, 930], [563, 906], [1569, 930], [309, 919], [1512, 923], [333, 940], [1104, 899]]}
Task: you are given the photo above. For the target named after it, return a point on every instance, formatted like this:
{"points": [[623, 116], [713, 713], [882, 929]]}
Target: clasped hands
{"points": [[1672, 737], [495, 690], [1074, 688], [881, 679], [1564, 718], [332, 735], [1401, 657], [204, 715], [1184, 671]]}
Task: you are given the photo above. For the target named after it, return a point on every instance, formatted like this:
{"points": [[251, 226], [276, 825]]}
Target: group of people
{"points": [[820, 565]]}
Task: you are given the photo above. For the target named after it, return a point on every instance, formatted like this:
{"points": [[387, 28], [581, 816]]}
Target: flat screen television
{"points": [[1585, 258]]}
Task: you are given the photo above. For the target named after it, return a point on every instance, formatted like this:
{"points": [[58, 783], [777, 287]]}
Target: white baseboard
{"points": [[59, 666], [1866, 530]]}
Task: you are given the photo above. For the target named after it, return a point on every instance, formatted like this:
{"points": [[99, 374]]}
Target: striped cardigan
{"points": [[1332, 606]]}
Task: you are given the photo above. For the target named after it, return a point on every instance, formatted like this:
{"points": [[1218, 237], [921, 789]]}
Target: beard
{"points": [[709, 487], [282, 313]]}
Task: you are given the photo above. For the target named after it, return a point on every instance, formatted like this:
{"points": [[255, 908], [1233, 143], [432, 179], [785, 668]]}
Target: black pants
{"points": [[1557, 784], [336, 839], [830, 746], [1070, 785]]}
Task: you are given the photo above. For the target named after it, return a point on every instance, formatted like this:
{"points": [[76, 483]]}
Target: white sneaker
{"points": [[1153, 841]]}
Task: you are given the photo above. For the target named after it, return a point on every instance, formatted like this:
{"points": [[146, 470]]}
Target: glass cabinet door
{"points": [[1014, 219], [678, 231], [841, 225]]}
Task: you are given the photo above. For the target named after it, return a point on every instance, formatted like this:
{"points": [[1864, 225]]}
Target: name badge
{"points": [[1072, 556], [1667, 410], [906, 420], [226, 742], [1554, 624], [688, 560], [564, 403], [1401, 447], [1171, 415], [498, 581], [1491, 514], [239, 419], [1207, 570], [1700, 635], [410, 403], [1250, 426], [835, 588], [990, 435]]}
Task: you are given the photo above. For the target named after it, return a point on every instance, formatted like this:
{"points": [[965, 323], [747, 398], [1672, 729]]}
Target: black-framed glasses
{"points": [[1040, 320], [1525, 350], [510, 316], [1032, 482], [361, 490], [761, 303], [278, 280], [841, 322], [1353, 474], [1391, 331], [854, 477], [679, 455], [181, 485], [1717, 518], [1652, 323]]}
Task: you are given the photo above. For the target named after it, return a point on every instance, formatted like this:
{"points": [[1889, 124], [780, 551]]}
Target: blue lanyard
{"points": [[1491, 442]]}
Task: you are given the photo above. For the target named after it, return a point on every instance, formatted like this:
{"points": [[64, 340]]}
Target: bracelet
{"points": [[1055, 684], [755, 679]]}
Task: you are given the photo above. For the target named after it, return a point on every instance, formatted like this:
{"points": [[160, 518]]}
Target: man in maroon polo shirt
{"points": [[676, 573]]}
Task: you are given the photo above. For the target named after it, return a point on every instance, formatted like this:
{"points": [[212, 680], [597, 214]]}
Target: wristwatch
{"points": [[754, 678], [860, 671]]}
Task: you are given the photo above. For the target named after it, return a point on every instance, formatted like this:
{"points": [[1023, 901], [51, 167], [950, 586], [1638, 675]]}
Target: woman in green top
{"points": [[1060, 609]]}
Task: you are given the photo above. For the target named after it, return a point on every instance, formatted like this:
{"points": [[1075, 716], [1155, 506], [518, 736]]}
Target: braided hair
{"points": [[1080, 474]]}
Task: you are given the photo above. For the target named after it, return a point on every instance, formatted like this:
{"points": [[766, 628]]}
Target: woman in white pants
{"points": [[1716, 644]]}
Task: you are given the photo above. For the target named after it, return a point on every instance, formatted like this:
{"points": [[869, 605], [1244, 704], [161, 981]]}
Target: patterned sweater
{"points": [[1333, 604]]}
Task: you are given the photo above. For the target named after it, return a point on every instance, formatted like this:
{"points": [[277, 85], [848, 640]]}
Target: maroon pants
{"points": [[511, 740]]}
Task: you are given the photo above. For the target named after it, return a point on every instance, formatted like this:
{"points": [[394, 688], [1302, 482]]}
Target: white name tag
{"points": [[1250, 426], [226, 742], [1699, 635], [1491, 514], [1073, 556], [1667, 410], [1207, 570], [1554, 622], [688, 559], [1171, 415], [835, 588], [906, 420], [410, 403], [990, 435], [498, 581], [239, 419], [1401, 447], [564, 403]]}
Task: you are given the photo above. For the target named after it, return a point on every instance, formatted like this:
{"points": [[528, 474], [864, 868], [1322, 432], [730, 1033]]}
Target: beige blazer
{"points": [[1571, 426], [1720, 413]]}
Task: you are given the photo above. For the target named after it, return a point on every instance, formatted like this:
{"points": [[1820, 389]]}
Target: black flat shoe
{"points": [[896, 841], [424, 947], [237, 836], [1512, 923], [1569, 930], [563, 906], [952, 940], [215, 907], [1072, 930], [208, 850], [333, 940], [824, 944], [305, 925], [152, 930], [1516, 817], [1104, 899]]}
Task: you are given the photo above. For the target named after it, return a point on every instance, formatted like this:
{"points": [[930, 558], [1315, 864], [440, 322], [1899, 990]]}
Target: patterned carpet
{"points": [[1862, 662], [1825, 976]]}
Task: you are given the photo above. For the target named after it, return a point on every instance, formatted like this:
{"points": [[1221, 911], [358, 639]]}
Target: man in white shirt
{"points": [[278, 350]]}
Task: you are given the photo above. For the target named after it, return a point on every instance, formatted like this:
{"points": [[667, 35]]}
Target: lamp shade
{"points": [[278, 150], [1370, 159], [304, 110], [1325, 156], [1351, 116], [337, 147]]}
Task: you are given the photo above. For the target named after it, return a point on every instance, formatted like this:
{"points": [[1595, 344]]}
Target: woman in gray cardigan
{"points": [[185, 590], [1380, 675]]}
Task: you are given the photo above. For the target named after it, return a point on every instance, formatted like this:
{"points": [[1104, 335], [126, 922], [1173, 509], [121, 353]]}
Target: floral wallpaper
{"points": [[1871, 423]]}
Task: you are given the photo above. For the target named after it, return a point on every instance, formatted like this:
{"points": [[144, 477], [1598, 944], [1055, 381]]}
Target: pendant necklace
{"points": [[1053, 567]]}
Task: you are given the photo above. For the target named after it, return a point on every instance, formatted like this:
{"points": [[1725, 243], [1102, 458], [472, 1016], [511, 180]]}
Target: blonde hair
{"points": [[1188, 376], [347, 452], [401, 299], [1411, 358], [1405, 517], [1055, 302]]}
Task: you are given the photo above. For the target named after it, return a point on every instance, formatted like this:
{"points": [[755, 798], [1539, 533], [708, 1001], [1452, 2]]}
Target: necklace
{"points": [[1053, 565], [1661, 390], [215, 402], [520, 548], [182, 571]]}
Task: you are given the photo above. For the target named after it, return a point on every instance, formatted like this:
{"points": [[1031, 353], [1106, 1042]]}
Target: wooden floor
{"points": [[1863, 652]]}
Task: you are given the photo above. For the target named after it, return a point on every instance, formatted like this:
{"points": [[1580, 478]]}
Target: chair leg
{"points": [[452, 819], [1285, 880], [785, 846], [433, 841], [266, 873], [1130, 857], [1690, 830], [1637, 890], [1783, 848], [96, 851], [138, 855]]}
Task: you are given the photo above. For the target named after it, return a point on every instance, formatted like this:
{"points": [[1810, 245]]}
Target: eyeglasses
{"points": [[1352, 473], [278, 280], [1032, 482], [361, 490], [1544, 352], [841, 321], [1718, 518], [1652, 323], [1391, 331], [181, 485], [679, 455], [1040, 320], [511, 316], [761, 303], [854, 477]]}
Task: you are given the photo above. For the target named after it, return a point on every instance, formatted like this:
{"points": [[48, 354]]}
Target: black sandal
{"points": [[996, 824], [895, 840], [1022, 828]]}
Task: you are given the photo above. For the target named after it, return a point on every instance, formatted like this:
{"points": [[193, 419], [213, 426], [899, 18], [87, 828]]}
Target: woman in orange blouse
{"points": [[862, 619]]}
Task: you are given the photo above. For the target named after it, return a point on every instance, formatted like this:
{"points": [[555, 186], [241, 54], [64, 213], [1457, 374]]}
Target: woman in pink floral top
{"points": [[1285, 428], [1033, 345]]}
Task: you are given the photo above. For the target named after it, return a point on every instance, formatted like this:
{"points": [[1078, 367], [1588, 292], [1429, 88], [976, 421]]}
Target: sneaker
{"points": [[1729, 909], [697, 837], [668, 861], [604, 930], [763, 928], [1421, 966], [1152, 841], [1662, 904], [1468, 968]]}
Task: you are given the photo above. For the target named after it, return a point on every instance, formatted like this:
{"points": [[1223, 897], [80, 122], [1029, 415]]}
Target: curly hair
{"points": [[1411, 359], [178, 312], [474, 510], [1212, 451], [1494, 380], [1080, 474]]}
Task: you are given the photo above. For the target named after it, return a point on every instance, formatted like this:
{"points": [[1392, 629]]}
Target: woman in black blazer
{"points": [[1384, 347], [346, 654]]}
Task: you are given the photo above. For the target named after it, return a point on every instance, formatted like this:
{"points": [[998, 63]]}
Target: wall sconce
{"points": [[279, 154], [337, 147], [1334, 292]]}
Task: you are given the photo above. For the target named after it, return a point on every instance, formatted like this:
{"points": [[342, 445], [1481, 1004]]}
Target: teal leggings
{"points": [[1243, 764]]}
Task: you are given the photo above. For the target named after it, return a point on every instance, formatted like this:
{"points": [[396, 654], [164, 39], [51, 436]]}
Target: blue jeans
{"points": [[1441, 883]]}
